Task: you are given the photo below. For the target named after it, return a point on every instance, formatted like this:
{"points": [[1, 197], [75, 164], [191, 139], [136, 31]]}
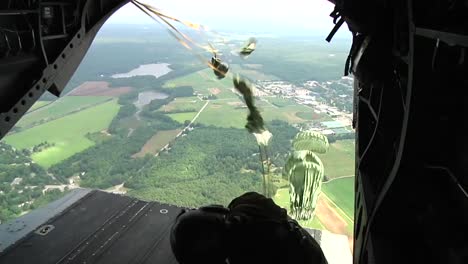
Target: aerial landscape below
{"points": [[156, 124]]}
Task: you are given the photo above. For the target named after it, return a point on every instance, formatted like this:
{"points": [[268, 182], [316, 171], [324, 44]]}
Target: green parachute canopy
{"points": [[311, 140], [305, 172], [248, 48]]}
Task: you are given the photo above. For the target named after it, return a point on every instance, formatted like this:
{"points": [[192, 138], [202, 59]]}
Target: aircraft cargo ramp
{"points": [[90, 226]]}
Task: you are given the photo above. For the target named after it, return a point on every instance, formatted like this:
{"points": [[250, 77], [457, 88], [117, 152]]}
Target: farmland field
{"points": [[183, 104], [60, 108], [231, 116], [252, 73], [99, 89], [280, 102], [38, 104], [181, 117], [341, 192], [67, 134], [333, 217], [234, 113], [287, 113], [157, 142], [339, 160], [311, 115], [204, 83]]}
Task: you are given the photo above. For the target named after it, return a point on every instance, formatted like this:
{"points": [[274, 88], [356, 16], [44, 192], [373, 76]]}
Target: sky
{"points": [[262, 16]]}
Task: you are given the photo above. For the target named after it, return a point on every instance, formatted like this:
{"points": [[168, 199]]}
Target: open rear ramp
{"points": [[90, 226]]}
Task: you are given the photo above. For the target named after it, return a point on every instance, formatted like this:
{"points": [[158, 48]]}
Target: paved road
{"points": [[191, 122]]}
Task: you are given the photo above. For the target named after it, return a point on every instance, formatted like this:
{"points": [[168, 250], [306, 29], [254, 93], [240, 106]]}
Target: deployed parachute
{"points": [[311, 140], [305, 173], [249, 48]]}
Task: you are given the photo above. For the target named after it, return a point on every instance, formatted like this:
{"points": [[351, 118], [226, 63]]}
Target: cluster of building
{"points": [[310, 95], [280, 88]]}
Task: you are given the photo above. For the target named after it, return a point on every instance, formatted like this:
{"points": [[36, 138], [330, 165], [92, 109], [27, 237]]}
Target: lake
{"points": [[156, 69]]}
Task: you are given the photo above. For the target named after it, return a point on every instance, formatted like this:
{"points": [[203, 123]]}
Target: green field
{"points": [[301, 113], [38, 104], [60, 108], [301, 59], [221, 114], [233, 113], [205, 83], [228, 106], [311, 115], [183, 104], [341, 192], [286, 113], [68, 134], [181, 117], [252, 74], [339, 160], [280, 102]]}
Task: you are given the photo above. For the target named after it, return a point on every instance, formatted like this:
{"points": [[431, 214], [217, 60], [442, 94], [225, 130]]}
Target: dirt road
{"points": [[332, 220]]}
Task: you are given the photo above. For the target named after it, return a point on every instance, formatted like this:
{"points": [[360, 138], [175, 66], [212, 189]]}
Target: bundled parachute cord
{"points": [[255, 125], [255, 122]]}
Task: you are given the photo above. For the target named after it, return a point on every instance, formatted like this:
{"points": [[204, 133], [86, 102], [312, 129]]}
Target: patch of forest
{"points": [[21, 183], [209, 165], [206, 165]]}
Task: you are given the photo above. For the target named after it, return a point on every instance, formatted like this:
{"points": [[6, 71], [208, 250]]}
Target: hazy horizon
{"points": [[297, 17]]}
